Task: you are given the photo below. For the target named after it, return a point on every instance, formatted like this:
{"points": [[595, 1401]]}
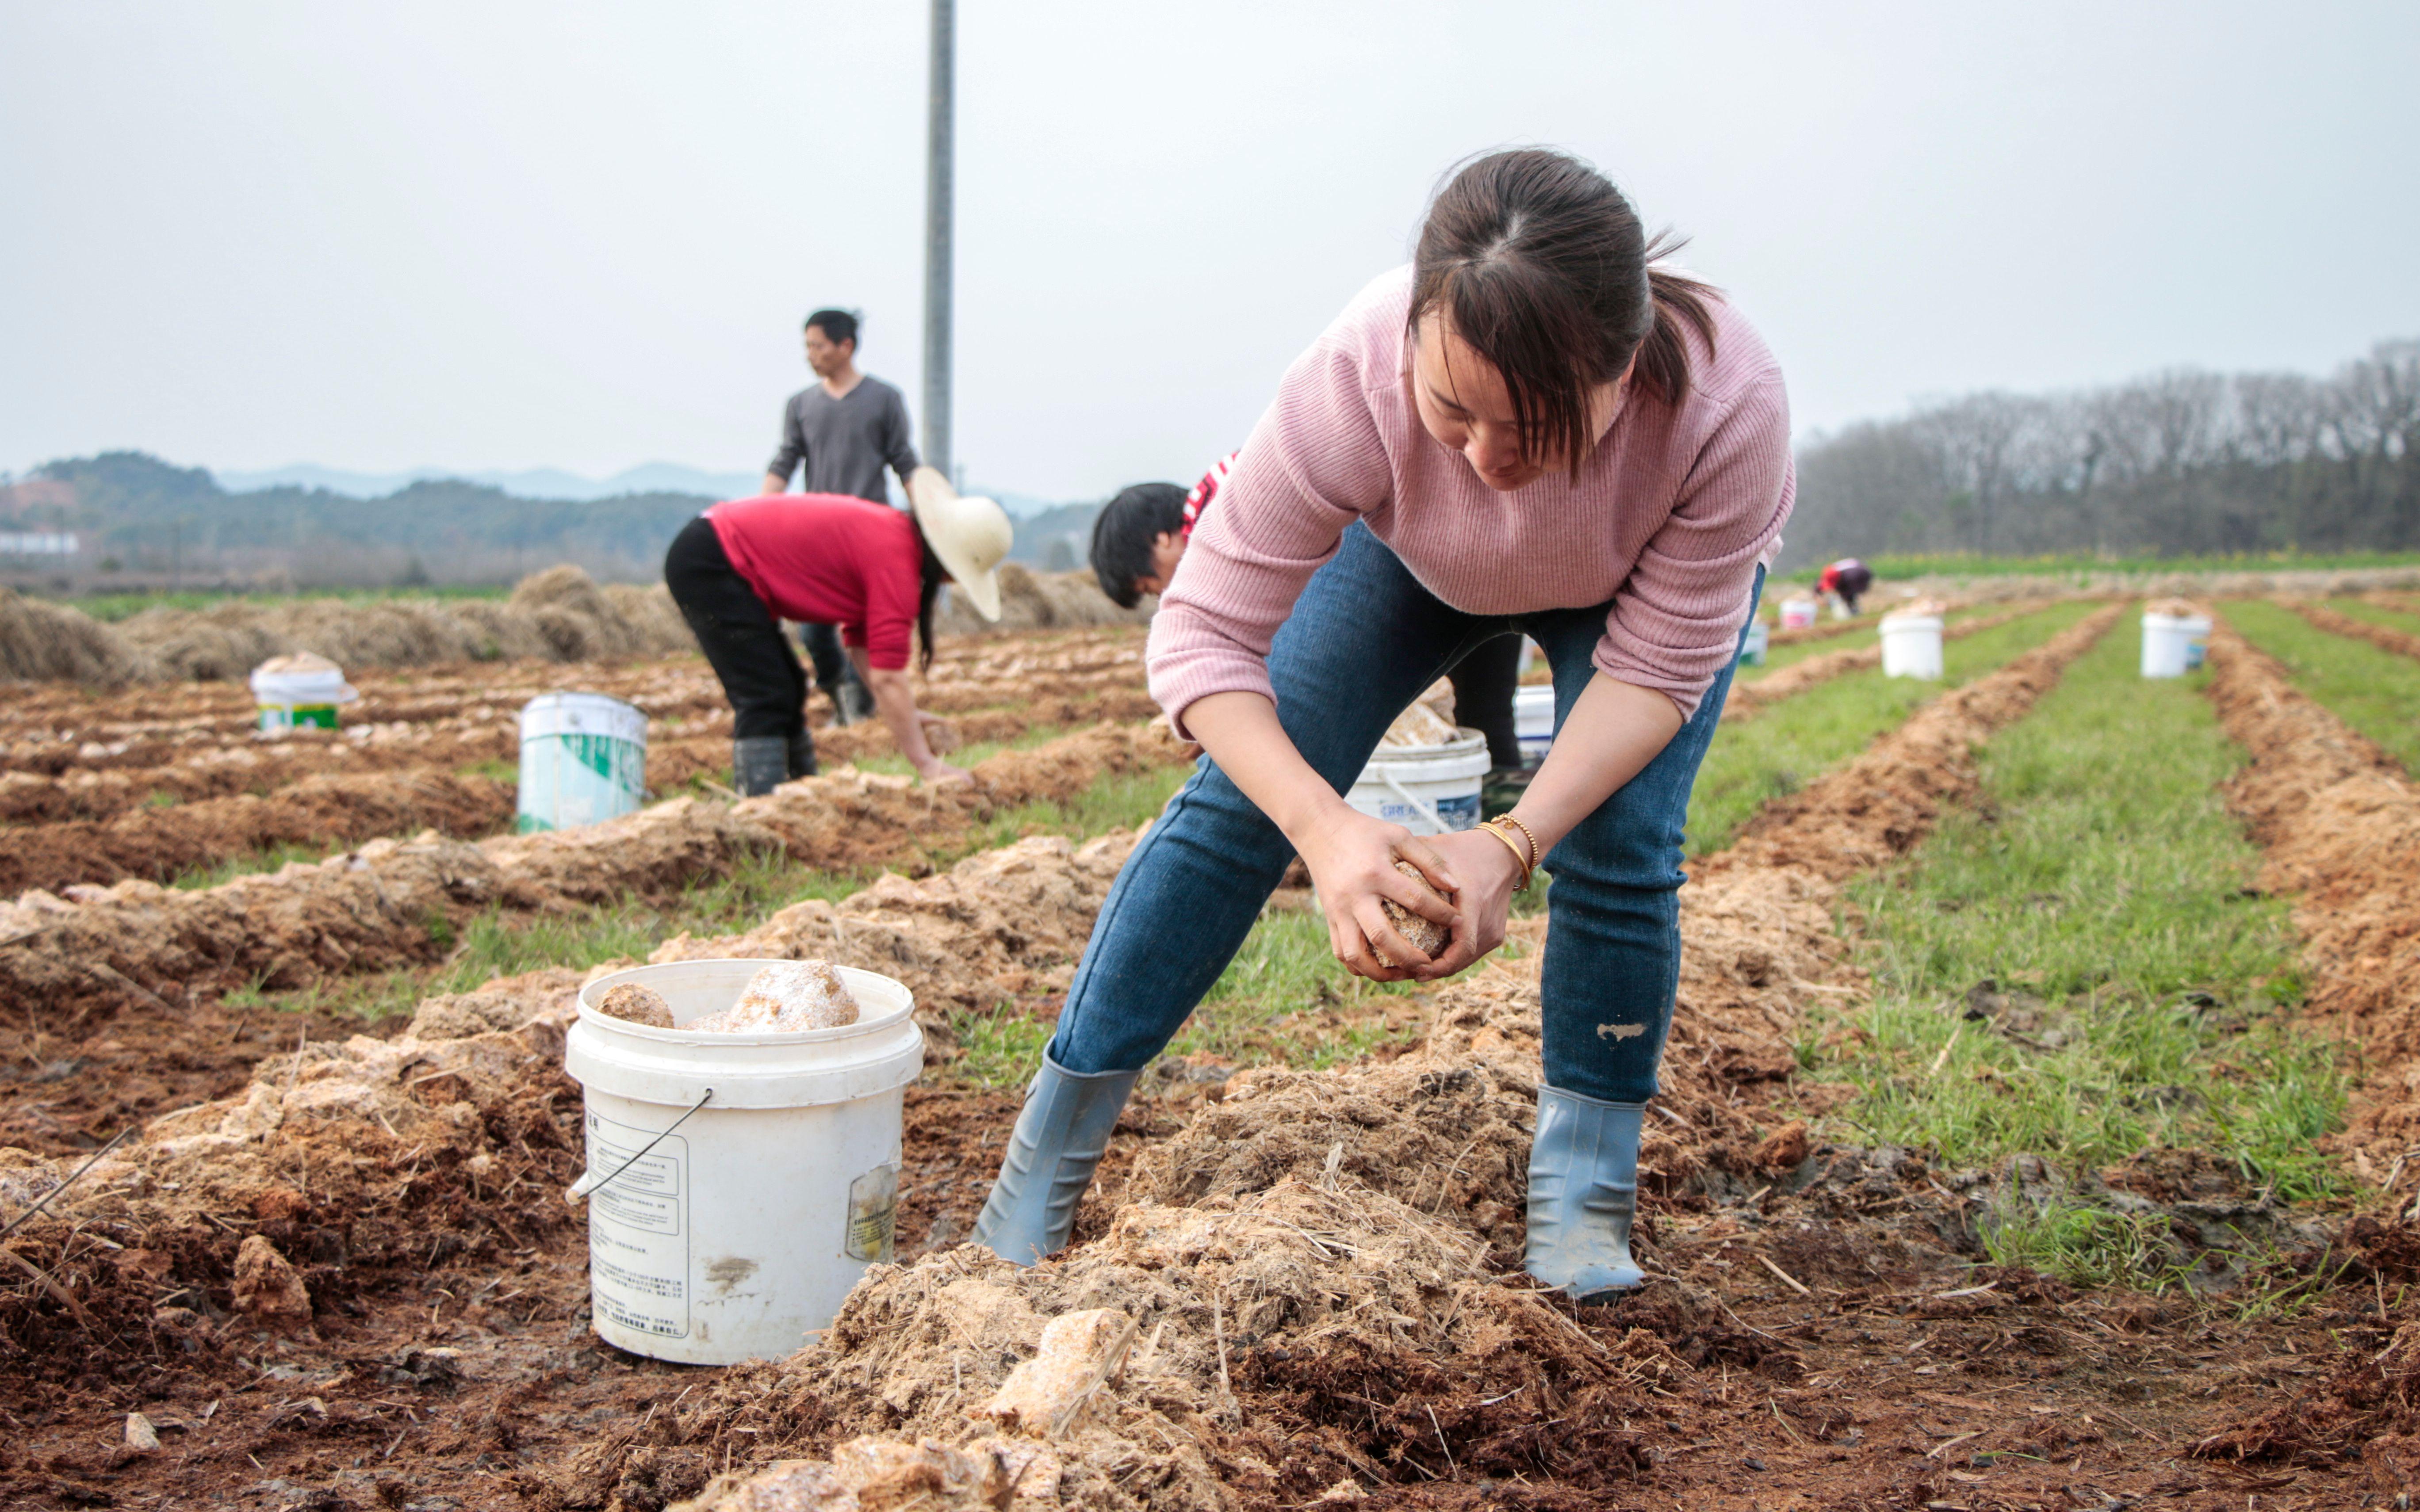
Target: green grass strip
{"points": [[1797, 740], [2102, 878], [2375, 691]]}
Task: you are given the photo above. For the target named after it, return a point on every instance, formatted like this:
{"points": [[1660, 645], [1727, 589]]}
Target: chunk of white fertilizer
{"points": [[784, 998], [639, 1005], [1422, 934]]}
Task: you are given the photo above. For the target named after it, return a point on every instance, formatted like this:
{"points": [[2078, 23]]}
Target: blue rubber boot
{"points": [[1584, 1194], [1059, 1138]]}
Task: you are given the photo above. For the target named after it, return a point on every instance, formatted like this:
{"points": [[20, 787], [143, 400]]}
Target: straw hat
{"points": [[970, 536]]}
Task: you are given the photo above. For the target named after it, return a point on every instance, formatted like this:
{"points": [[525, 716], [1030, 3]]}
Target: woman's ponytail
{"points": [[1662, 353]]}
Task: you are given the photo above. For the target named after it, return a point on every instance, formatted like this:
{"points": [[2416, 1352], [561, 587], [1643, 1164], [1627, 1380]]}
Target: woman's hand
{"points": [[1351, 857], [1489, 872], [938, 771]]}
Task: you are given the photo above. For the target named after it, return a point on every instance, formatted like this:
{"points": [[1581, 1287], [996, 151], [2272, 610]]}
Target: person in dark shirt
{"points": [[1140, 535], [842, 430]]}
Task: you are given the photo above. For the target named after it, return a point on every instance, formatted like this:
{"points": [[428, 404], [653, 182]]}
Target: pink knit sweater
{"points": [[1670, 516]]}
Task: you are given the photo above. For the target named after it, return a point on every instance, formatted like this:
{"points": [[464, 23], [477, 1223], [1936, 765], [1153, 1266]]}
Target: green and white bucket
{"points": [[300, 692], [583, 760]]}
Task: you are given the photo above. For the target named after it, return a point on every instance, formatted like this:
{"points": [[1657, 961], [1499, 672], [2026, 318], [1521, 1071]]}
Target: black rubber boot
{"points": [[801, 753], [759, 764]]}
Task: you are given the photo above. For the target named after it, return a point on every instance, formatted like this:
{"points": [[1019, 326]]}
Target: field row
{"points": [[1321, 1277]]}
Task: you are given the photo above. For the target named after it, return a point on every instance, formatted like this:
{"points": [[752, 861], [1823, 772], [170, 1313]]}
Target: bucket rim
{"points": [[872, 1024], [1465, 740]]}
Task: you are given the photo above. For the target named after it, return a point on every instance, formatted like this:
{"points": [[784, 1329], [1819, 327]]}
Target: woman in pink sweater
{"points": [[1529, 429]]}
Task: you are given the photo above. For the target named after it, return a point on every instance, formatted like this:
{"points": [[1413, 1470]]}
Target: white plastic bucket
{"points": [[2174, 645], [1533, 722], [1797, 613], [1759, 640], [740, 1230], [1427, 789], [1912, 646], [300, 692], [584, 759]]}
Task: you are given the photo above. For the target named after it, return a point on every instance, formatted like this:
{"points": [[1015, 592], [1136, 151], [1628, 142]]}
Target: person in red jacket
{"points": [[1846, 580], [743, 566]]}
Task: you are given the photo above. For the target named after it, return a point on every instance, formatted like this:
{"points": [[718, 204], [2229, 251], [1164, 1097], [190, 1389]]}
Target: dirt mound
{"points": [[2384, 637], [156, 844], [390, 903], [1272, 1347], [2340, 823], [1031, 600], [1004, 925], [41, 642], [344, 1158]]}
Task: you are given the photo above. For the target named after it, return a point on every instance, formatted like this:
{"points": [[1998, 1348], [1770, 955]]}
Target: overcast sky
{"points": [[505, 235]]}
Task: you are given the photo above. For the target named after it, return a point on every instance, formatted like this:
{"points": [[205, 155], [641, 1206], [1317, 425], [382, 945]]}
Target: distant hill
{"points": [[532, 483], [141, 522]]}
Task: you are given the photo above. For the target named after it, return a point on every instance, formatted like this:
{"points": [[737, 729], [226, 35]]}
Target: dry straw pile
{"points": [[555, 615]]}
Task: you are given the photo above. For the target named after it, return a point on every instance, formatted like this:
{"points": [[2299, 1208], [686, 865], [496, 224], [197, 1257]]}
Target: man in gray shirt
{"points": [[846, 428]]}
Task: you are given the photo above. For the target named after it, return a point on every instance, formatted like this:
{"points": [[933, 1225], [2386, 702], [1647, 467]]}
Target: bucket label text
{"points": [[637, 1229]]}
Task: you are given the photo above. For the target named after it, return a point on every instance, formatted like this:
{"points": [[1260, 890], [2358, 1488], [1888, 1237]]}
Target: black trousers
{"points": [[833, 670], [742, 640], [1483, 696]]}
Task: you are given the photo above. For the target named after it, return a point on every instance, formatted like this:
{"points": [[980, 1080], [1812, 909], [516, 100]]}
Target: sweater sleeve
{"points": [[793, 449], [1677, 620], [897, 449], [1314, 465]]}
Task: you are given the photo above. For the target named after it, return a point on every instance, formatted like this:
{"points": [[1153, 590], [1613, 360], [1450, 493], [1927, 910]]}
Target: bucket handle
{"points": [[1426, 812], [578, 1191]]}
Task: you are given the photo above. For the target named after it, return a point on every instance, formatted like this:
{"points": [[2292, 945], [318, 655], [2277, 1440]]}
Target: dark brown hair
{"points": [[1541, 265]]}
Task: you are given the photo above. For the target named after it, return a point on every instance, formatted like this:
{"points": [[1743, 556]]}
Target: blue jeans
{"points": [[1364, 641]]}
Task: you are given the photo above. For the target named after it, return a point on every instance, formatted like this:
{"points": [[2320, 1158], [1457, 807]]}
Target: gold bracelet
{"points": [[1525, 834], [1519, 859]]}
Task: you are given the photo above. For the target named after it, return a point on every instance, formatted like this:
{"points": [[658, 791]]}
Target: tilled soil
{"points": [[1325, 1292], [98, 788]]}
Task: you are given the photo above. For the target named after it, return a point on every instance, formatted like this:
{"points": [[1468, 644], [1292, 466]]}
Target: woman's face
{"points": [[1464, 403]]}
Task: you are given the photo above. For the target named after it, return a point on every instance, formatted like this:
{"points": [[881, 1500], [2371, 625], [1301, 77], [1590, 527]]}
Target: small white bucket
{"points": [[1797, 613], [584, 759], [2174, 645], [1760, 641], [1912, 646], [300, 692], [1533, 722], [1427, 789], [739, 1233]]}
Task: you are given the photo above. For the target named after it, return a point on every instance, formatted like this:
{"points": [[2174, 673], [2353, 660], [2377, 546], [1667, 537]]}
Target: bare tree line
{"points": [[2181, 463]]}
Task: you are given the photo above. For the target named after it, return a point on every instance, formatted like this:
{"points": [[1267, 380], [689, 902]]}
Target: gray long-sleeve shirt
{"points": [[845, 442]]}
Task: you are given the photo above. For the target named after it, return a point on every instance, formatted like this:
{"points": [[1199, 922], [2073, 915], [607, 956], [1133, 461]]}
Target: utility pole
{"points": [[939, 140]]}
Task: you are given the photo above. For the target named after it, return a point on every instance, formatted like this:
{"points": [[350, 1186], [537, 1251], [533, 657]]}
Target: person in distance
{"points": [[744, 566], [840, 432]]}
